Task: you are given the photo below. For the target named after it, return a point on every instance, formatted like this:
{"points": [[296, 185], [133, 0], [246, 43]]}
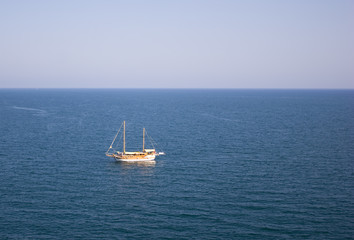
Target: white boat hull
{"points": [[145, 159]]}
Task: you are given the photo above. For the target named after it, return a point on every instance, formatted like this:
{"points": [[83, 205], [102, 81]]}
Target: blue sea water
{"points": [[239, 164]]}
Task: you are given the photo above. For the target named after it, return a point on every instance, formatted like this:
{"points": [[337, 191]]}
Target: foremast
{"points": [[123, 137], [143, 139]]}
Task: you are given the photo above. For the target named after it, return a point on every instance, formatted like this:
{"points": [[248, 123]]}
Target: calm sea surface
{"points": [[239, 164]]}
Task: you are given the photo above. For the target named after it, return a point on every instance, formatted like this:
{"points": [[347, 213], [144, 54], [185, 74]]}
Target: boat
{"points": [[124, 156]]}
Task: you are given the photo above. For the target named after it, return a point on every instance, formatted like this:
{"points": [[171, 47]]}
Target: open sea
{"points": [[239, 164]]}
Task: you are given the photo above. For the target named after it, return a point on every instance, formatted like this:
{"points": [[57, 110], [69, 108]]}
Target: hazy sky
{"points": [[181, 43]]}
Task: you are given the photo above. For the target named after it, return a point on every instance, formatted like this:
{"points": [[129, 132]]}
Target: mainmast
{"points": [[124, 137], [143, 139]]}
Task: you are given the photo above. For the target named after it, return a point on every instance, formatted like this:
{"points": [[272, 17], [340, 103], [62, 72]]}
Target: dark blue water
{"points": [[239, 164]]}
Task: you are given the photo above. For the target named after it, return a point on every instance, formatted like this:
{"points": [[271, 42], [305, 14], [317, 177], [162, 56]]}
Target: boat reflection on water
{"points": [[134, 169], [140, 164]]}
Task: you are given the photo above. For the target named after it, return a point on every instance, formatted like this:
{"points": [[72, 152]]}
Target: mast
{"points": [[124, 138], [143, 139]]}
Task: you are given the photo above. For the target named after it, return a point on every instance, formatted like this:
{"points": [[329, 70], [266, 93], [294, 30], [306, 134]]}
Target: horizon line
{"points": [[158, 88]]}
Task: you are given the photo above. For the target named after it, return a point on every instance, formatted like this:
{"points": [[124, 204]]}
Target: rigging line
{"points": [[120, 139], [154, 142], [151, 140], [114, 138]]}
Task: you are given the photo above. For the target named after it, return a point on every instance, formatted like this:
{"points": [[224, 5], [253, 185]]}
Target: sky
{"points": [[177, 44]]}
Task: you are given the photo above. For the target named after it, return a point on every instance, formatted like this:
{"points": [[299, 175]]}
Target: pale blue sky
{"points": [[177, 44]]}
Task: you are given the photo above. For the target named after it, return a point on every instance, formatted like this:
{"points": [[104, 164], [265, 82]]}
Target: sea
{"points": [[239, 164]]}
